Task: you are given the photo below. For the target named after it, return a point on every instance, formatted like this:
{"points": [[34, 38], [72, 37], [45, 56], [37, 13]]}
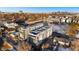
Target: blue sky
{"points": [[39, 9]]}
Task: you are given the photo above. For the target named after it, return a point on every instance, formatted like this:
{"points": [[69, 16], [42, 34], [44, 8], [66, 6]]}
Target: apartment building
{"points": [[24, 32], [41, 33]]}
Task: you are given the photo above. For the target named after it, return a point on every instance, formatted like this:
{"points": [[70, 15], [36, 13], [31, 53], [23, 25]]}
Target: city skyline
{"points": [[39, 9]]}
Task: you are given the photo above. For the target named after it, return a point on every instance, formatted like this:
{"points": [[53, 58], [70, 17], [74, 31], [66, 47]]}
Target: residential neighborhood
{"points": [[54, 31]]}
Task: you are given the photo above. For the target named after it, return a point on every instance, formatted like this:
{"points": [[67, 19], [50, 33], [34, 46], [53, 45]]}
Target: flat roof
{"points": [[38, 30]]}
